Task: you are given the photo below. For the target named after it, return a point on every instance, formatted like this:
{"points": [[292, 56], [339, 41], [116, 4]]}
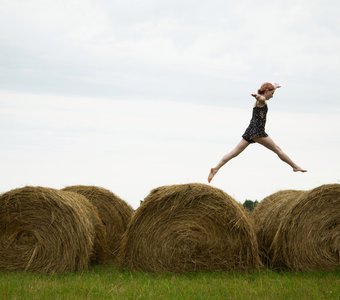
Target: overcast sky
{"points": [[130, 95]]}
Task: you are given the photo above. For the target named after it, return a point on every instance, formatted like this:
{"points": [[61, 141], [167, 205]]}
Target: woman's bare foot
{"points": [[298, 169], [212, 173]]}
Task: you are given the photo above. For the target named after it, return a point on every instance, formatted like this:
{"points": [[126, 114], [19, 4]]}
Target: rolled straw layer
{"points": [[267, 217], [113, 211], [189, 227], [44, 230], [308, 238]]}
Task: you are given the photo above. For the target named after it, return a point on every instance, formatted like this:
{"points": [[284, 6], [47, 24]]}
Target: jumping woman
{"points": [[255, 133]]}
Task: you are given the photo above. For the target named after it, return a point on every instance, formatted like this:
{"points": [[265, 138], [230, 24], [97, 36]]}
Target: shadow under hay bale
{"points": [[44, 230], [308, 238], [266, 218], [114, 213], [189, 227]]}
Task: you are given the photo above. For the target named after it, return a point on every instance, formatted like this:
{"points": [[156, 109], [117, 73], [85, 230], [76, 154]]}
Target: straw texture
{"points": [[267, 217], [44, 230], [114, 213], [309, 239], [189, 227]]}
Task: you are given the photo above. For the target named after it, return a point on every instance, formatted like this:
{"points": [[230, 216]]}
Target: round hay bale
{"points": [[114, 213], [100, 253], [308, 238], [266, 217], [43, 230], [189, 227]]}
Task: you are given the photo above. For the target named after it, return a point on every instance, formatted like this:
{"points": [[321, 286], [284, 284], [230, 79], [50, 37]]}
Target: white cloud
{"points": [[185, 50]]}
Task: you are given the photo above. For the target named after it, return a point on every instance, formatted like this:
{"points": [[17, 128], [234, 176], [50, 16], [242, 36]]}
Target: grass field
{"points": [[108, 283]]}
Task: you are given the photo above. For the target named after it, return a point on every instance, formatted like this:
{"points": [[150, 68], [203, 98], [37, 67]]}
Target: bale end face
{"points": [[189, 227], [43, 231], [309, 239]]}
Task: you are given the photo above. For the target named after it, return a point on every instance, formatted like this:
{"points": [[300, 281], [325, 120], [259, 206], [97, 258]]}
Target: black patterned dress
{"points": [[257, 124]]}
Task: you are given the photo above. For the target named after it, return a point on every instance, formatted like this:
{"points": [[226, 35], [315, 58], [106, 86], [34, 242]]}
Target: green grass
{"points": [[109, 283]]}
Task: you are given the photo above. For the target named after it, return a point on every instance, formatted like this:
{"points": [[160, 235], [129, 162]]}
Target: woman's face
{"points": [[269, 94]]}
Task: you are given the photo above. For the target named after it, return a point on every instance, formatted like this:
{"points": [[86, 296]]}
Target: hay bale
{"points": [[308, 238], [44, 230], [100, 254], [189, 227], [267, 217], [114, 213]]}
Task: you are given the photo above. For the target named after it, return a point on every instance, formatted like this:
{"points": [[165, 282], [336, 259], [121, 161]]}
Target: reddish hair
{"points": [[267, 86]]}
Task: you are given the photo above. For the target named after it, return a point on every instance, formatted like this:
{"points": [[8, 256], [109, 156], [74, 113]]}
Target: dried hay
{"points": [[114, 213], [100, 253], [308, 238], [189, 227], [267, 217], [44, 230]]}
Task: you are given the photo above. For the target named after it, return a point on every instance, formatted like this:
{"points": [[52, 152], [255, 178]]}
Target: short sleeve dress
{"points": [[257, 124]]}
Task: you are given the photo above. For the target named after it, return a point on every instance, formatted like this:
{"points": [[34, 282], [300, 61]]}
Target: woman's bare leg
{"points": [[233, 153], [269, 143]]}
